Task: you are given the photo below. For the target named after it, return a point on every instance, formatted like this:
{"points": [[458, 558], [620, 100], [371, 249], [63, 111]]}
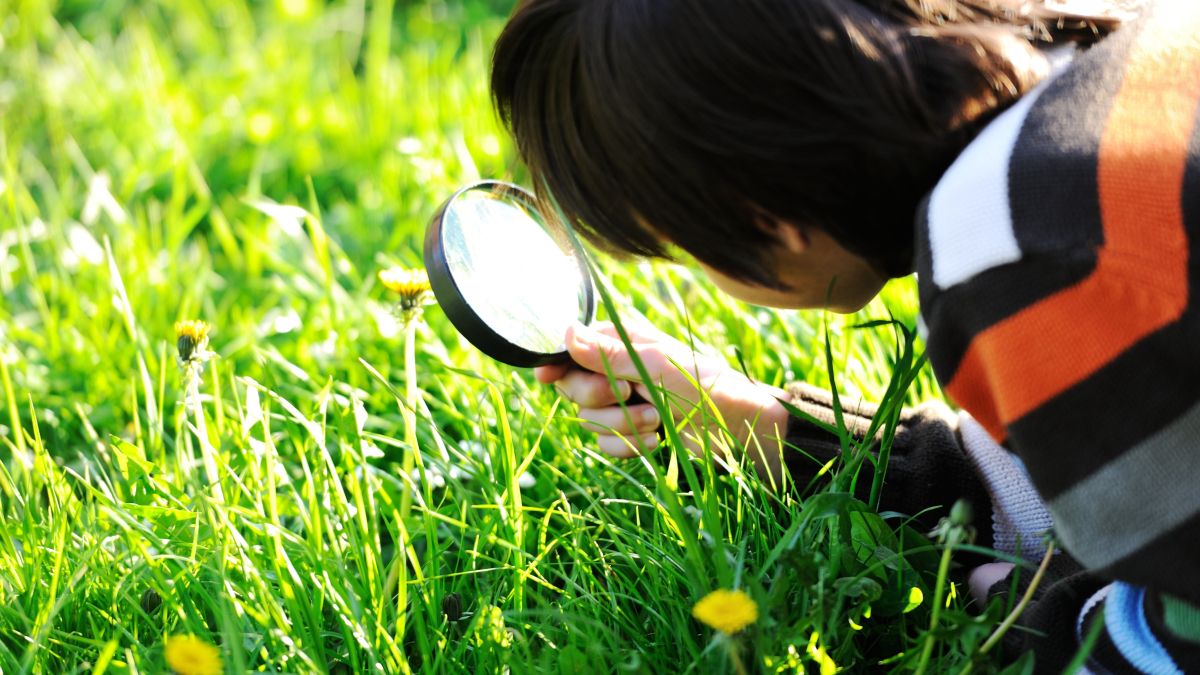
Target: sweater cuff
{"points": [[1019, 516], [1125, 620], [1132, 640]]}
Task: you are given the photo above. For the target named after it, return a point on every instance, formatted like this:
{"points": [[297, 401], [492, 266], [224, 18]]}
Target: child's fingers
{"points": [[640, 333], [551, 373], [640, 336], [635, 419], [602, 353], [985, 576], [591, 390], [624, 447]]}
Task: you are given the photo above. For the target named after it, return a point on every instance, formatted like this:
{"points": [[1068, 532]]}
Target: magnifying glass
{"points": [[510, 281]]}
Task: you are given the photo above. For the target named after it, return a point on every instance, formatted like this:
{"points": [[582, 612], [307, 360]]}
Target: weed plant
{"points": [[255, 166]]}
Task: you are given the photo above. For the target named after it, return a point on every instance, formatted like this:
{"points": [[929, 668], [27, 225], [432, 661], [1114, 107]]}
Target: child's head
{"points": [[711, 124]]}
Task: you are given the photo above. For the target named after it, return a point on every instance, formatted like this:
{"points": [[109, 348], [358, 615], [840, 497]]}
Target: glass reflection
{"points": [[511, 271]]}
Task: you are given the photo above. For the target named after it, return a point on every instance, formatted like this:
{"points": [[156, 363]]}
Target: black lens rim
{"points": [[455, 306]]}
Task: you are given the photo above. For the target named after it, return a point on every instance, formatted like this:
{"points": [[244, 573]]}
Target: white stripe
{"points": [[1097, 598], [970, 222]]}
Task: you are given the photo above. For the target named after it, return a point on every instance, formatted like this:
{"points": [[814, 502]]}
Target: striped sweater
{"points": [[1057, 260]]}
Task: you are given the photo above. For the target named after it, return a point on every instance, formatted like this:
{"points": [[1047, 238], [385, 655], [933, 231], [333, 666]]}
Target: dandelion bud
{"points": [[191, 339], [452, 607], [961, 513], [956, 528]]}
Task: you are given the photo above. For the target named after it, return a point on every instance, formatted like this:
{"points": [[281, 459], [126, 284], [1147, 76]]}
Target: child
{"points": [[1040, 171]]}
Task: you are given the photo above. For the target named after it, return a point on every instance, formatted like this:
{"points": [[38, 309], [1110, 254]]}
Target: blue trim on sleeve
{"points": [[1125, 619]]}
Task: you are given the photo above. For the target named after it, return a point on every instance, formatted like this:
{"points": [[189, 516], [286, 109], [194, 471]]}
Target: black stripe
{"points": [[922, 259], [1054, 197], [1169, 564]]}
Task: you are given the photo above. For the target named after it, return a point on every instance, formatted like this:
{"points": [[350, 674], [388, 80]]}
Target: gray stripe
{"points": [[1134, 499]]}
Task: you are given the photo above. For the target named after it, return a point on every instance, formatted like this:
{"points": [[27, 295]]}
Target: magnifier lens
{"points": [[524, 281]]}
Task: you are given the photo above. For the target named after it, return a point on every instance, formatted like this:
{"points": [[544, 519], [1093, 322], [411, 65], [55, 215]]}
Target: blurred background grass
{"points": [[156, 156], [161, 126]]}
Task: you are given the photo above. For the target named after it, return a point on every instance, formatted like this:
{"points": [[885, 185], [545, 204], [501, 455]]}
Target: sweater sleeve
{"points": [[938, 457], [928, 470]]}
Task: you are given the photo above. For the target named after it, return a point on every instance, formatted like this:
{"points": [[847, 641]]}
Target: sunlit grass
{"points": [[256, 167]]}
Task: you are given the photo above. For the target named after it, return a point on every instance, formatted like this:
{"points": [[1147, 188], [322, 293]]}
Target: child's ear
{"points": [[793, 237], [788, 235]]}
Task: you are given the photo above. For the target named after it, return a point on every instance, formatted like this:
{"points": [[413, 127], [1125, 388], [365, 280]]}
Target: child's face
{"points": [[817, 271]]}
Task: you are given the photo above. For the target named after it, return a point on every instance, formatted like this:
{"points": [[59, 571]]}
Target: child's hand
{"points": [[745, 406]]}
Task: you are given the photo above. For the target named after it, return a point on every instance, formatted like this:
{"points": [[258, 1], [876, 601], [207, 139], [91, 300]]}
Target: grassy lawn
{"points": [[255, 166]]}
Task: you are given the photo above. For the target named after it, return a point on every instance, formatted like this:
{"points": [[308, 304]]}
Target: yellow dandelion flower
{"points": [[191, 339], [189, 655], [726, 611], [411, 285], [405, 282]]}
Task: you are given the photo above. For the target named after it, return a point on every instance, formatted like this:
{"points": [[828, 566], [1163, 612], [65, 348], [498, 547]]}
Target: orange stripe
{"points": [[1140, 283]]}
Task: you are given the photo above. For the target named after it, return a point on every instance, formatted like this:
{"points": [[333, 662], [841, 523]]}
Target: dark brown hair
{"points": [[703, 119]]}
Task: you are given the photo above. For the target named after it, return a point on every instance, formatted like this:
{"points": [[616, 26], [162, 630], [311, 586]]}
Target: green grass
{"points": [[144, 148]]}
